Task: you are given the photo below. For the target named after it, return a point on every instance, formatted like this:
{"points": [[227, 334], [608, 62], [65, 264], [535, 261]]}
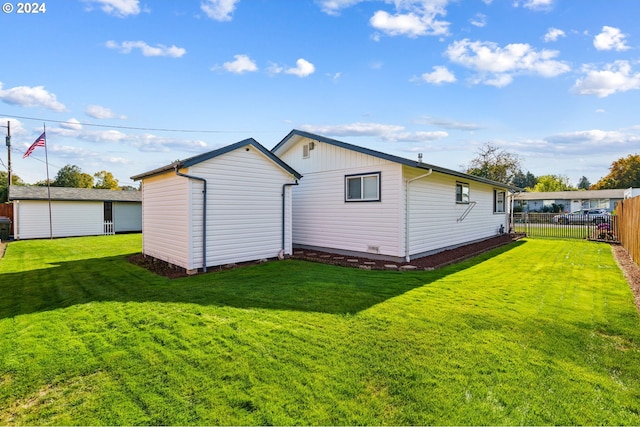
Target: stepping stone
{"points": [[370, 262], [325, 256], [365, 267], [408, 267], [338, 257], [352, 260], [391, 266], [312, 254]]}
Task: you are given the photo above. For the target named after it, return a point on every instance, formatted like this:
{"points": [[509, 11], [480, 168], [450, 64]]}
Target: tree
{"points": [[4, 189], [494, 163], [72, 176], [623, 173], [105, 180], [552, 183], [584, 183], [522, 180]]}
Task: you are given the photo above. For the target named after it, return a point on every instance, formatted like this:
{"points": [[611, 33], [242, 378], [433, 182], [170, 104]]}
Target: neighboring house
{"points": [[226, 206], [358, 201], [74, 212], [569, 201]]}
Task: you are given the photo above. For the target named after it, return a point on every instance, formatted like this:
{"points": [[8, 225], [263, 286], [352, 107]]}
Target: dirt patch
{"points": [[630, 270]]}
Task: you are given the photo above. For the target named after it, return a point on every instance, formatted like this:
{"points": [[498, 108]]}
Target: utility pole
{"points": [[8, 140]]}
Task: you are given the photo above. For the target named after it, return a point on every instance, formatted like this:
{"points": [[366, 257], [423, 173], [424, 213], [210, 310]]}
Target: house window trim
{"points": [[497, 191], [378, 176], [463, 185]]}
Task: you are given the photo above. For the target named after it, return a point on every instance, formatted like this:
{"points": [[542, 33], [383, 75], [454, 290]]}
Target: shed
{"points": [[74, 211], [358, 201], [225, 206]]}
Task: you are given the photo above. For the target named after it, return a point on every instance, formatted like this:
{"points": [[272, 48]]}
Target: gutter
{"points": [[284, 186], [204, 214], [406, 213]]}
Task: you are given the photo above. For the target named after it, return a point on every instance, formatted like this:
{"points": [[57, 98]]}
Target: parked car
{"points": [[584, 216]]}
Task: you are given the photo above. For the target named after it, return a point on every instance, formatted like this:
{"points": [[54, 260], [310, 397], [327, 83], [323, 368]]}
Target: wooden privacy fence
{"points": [[629, 226], [6, 209]]}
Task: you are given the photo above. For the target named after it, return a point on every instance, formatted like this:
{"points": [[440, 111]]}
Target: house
{"points": [[74, 212], [226, 206], [569, 201], [358, 201]]}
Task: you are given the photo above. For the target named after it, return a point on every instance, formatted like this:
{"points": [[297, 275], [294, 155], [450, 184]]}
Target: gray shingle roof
{"points": [[63, 193]]}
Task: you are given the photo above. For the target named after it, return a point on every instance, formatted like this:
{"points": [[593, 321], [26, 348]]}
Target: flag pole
{"points": [[46, 156]]}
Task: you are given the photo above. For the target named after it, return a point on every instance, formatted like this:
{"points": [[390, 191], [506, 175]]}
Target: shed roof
{"points": [[295, 135], [18, 192], [571, 195], [215, 153]]}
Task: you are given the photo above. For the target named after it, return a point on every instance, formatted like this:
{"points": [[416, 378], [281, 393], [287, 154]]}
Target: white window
{"points": [[462, 192], [305, 151], [362, 188], [498, 201]]}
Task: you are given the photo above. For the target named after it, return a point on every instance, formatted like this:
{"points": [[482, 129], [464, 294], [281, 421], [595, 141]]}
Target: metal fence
{"points": [[551, 226]]}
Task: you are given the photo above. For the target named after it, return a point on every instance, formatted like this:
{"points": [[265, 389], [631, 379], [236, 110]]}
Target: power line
{"points": [[124, 127]]}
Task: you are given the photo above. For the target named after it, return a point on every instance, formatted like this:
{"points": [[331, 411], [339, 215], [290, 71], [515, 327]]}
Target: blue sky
{"points": [[127, 86]]}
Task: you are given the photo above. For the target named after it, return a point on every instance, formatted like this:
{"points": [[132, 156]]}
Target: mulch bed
{"points": [[429, 262]]}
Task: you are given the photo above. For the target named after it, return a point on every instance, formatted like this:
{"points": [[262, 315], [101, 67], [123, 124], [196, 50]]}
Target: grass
{"points": [[539, 332]]}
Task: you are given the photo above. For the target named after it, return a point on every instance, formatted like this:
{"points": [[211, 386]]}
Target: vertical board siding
{"points": [[68, 219], [165, 213], [323, 219], [628, 212], [244, 207], [434, 213], [127, 217]]}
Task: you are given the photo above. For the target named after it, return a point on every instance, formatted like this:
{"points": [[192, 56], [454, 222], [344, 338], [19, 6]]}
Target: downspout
{"points": [[284, 187], [204, 215], [406, 212]]}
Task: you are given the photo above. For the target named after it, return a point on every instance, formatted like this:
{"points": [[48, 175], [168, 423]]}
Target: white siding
{"points": [[127, 216], [68, 219], [244, 207], [434, 214], [165, 219], [321, 216]]}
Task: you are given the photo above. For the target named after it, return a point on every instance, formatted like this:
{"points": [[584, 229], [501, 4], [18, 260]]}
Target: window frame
{"points": [[361, 176], [496, 192], [461, 200]]}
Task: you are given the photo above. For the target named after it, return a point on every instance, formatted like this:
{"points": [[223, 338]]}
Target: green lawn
{"points": [[538, 332]]}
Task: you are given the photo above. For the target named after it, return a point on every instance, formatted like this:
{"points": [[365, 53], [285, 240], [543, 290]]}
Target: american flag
{"points": [[42, 139]]}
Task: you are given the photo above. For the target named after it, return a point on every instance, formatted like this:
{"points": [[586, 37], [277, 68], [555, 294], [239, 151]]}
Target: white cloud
{"points": [[303, 68], [119, 8], [553, 34], [391, 133], [100, 112], [449, 124], [72, 123], [480, 20], [593, 138], [534, 4], [496, 65], [333, 7], [219, 10], [147, 50], [616, 77], [439, 75], [26, 96], [17, 128], [610, 39], [241, 64]]}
